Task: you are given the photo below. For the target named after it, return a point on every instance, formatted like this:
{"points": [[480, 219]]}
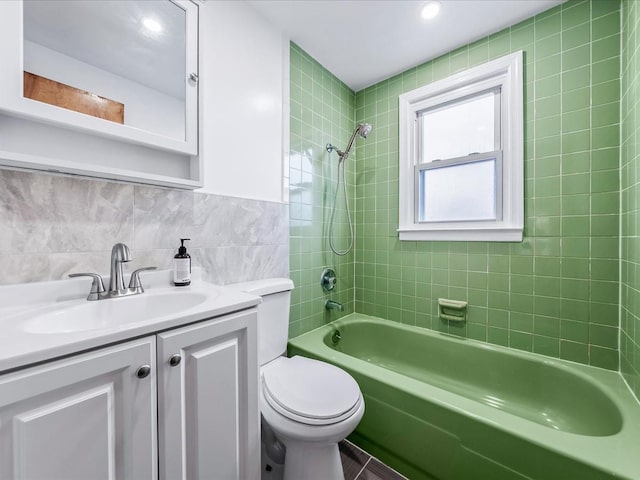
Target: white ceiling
{"points": [[364, 41]]}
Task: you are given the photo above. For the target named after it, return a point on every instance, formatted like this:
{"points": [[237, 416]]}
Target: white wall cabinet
{"points": [[157, 142], [97, 416]]}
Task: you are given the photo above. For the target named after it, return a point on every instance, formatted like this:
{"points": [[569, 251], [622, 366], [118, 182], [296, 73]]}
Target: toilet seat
{"points": [[309, 391]]}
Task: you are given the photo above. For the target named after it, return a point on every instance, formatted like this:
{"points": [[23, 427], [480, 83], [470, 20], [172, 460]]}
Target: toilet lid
{"points": [[310, 391]]}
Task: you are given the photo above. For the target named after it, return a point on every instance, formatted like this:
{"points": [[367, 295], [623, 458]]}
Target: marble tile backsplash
{"points": [[53, 225]]}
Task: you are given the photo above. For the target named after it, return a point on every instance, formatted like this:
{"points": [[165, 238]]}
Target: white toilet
{"points": [[308, 405]]}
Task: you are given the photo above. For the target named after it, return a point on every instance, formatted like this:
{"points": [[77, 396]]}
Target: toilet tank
{"points": [[273, 315]]}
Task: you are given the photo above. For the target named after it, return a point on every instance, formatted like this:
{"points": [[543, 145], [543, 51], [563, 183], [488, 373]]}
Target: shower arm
{"points": [[343, 155]]}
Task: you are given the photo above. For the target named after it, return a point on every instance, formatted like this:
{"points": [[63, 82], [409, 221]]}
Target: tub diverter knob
{"points": [[328, 279]]}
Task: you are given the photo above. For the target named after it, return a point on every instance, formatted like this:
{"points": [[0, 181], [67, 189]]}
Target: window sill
{"points": [[477, 234]]}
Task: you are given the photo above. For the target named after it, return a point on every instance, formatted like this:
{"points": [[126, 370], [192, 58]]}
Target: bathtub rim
{"points": [[613, 454]]}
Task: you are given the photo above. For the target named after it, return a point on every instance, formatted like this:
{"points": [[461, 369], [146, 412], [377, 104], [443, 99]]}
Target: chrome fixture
{"points": [[328, 280], [335, 337], [331, 305], [362, 129], [119, 254], [97, 287]]}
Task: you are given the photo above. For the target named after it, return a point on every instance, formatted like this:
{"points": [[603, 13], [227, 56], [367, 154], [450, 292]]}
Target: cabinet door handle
{"points": [[143, 371], [175, 359]]}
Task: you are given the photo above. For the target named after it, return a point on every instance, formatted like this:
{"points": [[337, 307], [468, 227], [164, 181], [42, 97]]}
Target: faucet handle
{"points": [[97, 287], [134, 282]]}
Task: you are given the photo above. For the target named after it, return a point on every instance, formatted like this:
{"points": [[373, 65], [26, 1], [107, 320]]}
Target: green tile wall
{"points": [[322, 111], [557, 292], [630, 199]]}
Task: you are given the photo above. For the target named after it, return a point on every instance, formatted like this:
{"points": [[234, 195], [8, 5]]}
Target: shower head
{"points": [[365, 129], [362, 129]]}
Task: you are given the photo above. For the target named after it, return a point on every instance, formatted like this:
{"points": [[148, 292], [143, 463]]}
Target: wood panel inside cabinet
{"points": [[55, 93]]}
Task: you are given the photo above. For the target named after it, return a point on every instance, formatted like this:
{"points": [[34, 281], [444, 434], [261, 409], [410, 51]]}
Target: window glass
{"points": [[458, 192], [462, 127]]}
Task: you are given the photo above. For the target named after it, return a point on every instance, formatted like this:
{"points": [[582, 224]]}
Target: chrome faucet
{"points": [[120, 254], [331, 305]]}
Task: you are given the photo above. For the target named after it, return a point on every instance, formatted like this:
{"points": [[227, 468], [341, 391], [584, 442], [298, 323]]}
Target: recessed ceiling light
{"points": [[430, 10], [152, 25]]}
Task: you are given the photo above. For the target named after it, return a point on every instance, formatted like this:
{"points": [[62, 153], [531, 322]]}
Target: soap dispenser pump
{"points": [[182, 266]]}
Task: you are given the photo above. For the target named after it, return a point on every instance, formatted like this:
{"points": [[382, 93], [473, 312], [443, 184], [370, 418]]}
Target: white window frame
{"points": [[504, 73], [496, 156]]}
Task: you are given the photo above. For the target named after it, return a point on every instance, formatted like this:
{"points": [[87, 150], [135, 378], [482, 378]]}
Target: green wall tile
{"points": [[547, 286], [603, 336], [578, 99], [605, 48], [606, 70], [322, 111], [575, 13], [575, 331], [547, 25], [576, 162], [576, 120], [562, 192], [574, 309], [548, 46], [603, 115], [604, 358], [576, 36], [605, 7], [575, 268], [546, 346], [549, 267], [554, 294], [576, 57], [575, 352]]}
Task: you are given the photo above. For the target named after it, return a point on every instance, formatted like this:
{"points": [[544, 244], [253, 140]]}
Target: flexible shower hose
{"points": [[333, 212]]}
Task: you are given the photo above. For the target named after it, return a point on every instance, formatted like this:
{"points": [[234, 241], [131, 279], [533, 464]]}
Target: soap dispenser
{"points": [[182, 266]]}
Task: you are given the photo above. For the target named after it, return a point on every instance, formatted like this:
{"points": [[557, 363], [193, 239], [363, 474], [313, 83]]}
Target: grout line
{"points": [[363, 467]]}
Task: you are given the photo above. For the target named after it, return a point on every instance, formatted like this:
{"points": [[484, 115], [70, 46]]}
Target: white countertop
{"points": [[19, 304]]}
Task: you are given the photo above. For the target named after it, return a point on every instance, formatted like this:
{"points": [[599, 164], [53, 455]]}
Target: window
{"points": [[461, 156]]}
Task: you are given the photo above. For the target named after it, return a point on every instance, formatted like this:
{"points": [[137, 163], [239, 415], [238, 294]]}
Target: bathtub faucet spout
{"points": [[331, 305]]}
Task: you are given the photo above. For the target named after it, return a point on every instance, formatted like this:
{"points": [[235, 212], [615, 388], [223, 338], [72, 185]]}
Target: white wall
{"points": [[244, 94]]}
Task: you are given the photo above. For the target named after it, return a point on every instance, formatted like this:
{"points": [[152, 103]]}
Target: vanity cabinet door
{"points": [[86, 417], [208, 418]]}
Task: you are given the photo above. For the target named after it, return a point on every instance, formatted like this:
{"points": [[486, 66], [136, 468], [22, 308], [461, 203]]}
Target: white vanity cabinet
{"points": [[86, 417], [134, 411]]}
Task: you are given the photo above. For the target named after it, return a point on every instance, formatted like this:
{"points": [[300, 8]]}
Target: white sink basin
{"points": [[41, 321], [103, 314]]}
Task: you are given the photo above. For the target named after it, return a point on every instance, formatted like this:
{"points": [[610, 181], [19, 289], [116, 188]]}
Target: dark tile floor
{"points": [[359, 465]]}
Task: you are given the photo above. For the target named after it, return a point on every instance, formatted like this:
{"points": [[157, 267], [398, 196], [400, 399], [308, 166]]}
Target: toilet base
{"points": [[271, 470], [311, 461]]}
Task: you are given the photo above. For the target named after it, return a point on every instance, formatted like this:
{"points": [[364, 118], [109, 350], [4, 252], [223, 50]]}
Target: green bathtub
{"points": [[442, 407]]}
